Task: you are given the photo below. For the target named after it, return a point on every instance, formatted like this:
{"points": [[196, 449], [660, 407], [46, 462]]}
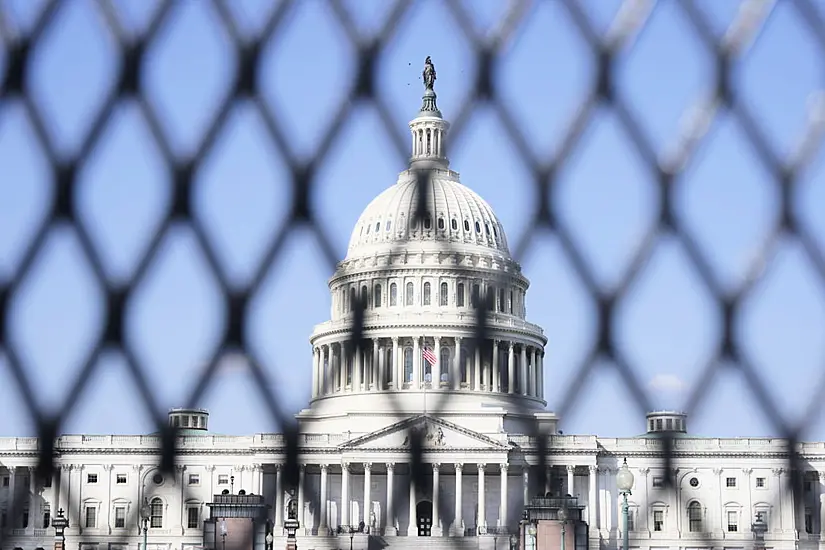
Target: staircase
{"points": [[380, 542]]}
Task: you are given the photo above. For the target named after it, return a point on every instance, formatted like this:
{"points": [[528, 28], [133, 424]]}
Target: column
{"points": [[279, 497], [412, 528], [571, 479], [314, 371], [534, 374], [592, 507], [359, 369], [416, 378], [301, 477], [541, 375], [458, 524], [821, 504], [437, 371], [375, 359], [396, 377], [389, 528], [382, 367], [345, 506], [12, 511], [33, 509], [548, 480], [502, 510], [495, 367], [525, 474], [436, 528], [799, 507], [482, 494], [717, 507], [367, 495], [342, 367], [63, 491], [322, 505], [523, 376], [477, 368], [511, 369], [456, 377], [323, 383]]}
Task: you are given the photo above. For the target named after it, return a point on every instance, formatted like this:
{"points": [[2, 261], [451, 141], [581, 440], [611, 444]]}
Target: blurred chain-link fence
{"points": [[721, 97]]}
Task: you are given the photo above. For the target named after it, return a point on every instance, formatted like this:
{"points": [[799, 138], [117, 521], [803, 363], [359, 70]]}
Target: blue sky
{"points": [[668, 325]]}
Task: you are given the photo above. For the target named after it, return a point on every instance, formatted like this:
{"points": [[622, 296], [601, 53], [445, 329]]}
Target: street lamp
{"points": [[145, 512], [563, 519], [60, 523], [531, 536], [624, 483], [269, 539], [759, 529]]}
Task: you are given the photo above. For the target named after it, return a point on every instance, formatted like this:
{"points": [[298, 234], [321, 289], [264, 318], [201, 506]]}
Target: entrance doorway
{"points": [[424, 516]]}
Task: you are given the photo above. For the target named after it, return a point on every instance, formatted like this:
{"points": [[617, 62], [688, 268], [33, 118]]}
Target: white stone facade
{"points": [[420, 282]]}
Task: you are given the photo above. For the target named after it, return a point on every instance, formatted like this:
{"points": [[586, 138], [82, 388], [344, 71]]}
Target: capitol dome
{"points": [[424, 281]]}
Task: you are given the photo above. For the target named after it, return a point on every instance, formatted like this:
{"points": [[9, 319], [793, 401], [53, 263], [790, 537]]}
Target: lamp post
{"points": [[224, 532], [624, 483], [531, 536], [513, 541], [145, 512], [563, 519], [269, 539], [60, 523]]}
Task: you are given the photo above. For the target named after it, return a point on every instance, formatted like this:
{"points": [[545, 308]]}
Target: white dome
{"points": [[456, 215]]}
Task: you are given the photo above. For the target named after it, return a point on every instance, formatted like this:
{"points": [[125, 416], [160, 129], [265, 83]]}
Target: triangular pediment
{"points": [[437, 434]]}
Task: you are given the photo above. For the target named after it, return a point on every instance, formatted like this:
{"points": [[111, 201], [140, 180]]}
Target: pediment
{"points": [[437, 433]]}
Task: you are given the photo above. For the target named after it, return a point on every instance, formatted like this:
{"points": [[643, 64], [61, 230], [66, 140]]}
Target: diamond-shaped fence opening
{"points": [[189, 126]]}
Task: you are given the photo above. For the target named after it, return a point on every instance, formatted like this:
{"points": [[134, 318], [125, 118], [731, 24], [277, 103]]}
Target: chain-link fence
{"points": [[722, 97]]}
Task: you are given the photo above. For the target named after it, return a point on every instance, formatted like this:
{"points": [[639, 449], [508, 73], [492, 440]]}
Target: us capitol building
{"points": [[422, 282]]}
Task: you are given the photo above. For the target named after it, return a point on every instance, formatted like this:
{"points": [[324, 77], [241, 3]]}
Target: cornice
{"points": [[345, 330]]}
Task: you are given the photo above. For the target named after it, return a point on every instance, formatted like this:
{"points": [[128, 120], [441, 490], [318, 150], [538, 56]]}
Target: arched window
{"points": [[388, 225], [364, 296], [156, 513], [501, 301], [393, 294], [352, 299], [442, 297], [454, 224], [462, 366], [441, 224], [504, 382], [695, 517], [376, 296], [409, 294], [426, 294], [466, 225], [444, 364], [348, 357], [490, 298], [389, 368], [459, 295], [510, 304], [408, 364], [428, 222], [476, 295]]}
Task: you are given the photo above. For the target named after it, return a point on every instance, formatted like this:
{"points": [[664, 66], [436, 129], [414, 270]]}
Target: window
{"points": [[364, 296], [459, 295], [462, 365], [24, 518], [120, 479], [193, 518], [409, 294], [194, 479], [427, 222], [47, 482], [631, 519], [658, 482], [393, 294], [3, 519], [47, 516], [156, 513], [223, 479], [695, 517], [441, 223], [408, 364], [733, 521], [510, 304], [91, 478], [501, 301], [120, 517], [454, 224], [426, 294], [443, 293], [6, 481], [478, 227], [809, 521], [91, 517], [658, 520], [444, 365], [762, 515], [376, 296], [730, 482], [760, 483], [352, 299], [466, 225], [476, 295]]}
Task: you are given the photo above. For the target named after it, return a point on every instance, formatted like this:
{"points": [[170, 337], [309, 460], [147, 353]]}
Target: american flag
{"points": [[429, 356]]}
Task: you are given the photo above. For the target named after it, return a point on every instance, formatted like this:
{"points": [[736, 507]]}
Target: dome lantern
{"points": [[429, 129]]}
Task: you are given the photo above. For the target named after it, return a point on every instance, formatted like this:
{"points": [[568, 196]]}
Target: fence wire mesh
{"points": [[667, 169]]}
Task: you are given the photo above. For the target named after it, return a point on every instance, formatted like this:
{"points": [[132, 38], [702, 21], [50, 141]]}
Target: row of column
{"points": [[520, 371], [15, 516]]}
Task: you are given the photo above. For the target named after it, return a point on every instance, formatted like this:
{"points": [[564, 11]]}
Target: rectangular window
{"points": [[809, 521], [658, 520], [6, 481], [730, 482], [47, 482], [476, 296], [47, 517], [194, 479], [631, 519], [120, 479], [733, 522], [695, 518], [120, 517], [760, 483], [808, 486], [91, 517], [193, 518], [459, 295], [24, 518], [658, 482], [223, 479], [91, 478]]}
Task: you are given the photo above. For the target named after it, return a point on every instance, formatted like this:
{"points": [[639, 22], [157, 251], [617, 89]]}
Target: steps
{"points": [[379, 542]]}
